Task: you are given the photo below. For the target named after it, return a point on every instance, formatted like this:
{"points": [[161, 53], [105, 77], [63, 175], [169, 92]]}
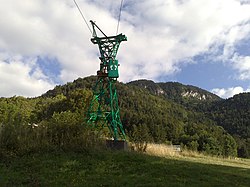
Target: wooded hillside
{"points": [[147, 116]]}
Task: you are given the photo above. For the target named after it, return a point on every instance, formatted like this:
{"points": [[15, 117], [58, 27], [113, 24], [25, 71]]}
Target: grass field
{"points": [[193, 156], [121, 169]]}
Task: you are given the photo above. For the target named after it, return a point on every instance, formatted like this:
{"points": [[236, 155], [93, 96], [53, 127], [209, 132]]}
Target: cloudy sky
{"points": [[204, 43]]}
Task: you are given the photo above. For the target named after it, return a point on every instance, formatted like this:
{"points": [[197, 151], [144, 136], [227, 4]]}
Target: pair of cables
{"points": [[118, 22]]}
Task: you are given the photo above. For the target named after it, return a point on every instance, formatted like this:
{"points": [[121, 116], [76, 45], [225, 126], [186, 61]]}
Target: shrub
{"points": [[139, 136], [63, 132]]}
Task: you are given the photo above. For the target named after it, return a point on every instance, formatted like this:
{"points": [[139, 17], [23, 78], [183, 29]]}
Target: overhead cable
{"points": [[82, 16], [119, 18]]}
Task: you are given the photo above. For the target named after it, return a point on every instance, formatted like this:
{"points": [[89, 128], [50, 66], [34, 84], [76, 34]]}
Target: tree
{"points": [[140, 137], [230, 146]]}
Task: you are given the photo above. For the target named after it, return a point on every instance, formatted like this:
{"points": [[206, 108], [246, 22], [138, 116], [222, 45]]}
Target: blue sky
{"points": [[197, 42]]}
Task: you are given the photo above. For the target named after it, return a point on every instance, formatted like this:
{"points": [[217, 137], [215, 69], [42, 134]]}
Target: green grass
{"points": [[117, 169]]}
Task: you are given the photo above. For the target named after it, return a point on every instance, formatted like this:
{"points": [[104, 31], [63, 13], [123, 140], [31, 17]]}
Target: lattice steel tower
{"points": [[104, 108]]}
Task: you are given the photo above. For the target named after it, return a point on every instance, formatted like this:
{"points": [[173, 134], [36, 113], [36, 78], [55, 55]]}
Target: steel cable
{"points": [[119, 18], [82, 16]]}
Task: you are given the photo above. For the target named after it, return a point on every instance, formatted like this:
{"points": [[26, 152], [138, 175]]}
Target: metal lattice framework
{"points": [[104, 108]]}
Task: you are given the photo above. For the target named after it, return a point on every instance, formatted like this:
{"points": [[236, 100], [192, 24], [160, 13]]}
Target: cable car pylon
{"points": [[104, 108]]}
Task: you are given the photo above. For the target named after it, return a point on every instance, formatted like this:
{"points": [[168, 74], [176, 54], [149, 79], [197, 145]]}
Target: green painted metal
{"points": [[104, 109], [113, 69]]}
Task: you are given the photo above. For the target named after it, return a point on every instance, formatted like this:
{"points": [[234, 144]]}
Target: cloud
{"points": [[168, 34], [242, 64], [162, 35], [235, 51], [26, 79], [47, 29], [229, 92]]}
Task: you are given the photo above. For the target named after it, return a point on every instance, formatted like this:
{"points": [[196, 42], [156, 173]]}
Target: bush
{"points": [[63, 132], [139, 136]]}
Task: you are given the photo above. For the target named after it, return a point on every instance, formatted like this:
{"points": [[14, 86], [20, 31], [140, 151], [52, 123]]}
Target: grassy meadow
{"points": [[116, 168]]}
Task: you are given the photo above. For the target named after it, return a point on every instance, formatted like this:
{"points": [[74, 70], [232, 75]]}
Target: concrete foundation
{"points": [[117, 145]]}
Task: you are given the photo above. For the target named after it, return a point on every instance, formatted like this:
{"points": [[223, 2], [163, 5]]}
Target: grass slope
{"points": [[117, 169]]}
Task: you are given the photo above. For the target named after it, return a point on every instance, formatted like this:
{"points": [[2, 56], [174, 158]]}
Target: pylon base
{"points": [[117, 144]]}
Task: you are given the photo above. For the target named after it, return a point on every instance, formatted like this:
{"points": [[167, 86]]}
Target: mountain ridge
{"points": [[156, 88], [182, 90]]}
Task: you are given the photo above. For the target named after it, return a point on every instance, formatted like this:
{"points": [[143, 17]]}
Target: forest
{"points": [[150, 112]]}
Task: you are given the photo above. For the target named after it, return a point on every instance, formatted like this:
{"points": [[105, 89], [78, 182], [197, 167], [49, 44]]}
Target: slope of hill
{"points": [[189, 96], [233, 115], [147, 114], [80, 83], [167, 121], [176, 91]]}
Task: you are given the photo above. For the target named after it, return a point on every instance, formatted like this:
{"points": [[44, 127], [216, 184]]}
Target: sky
{"points": [[204, 43]]}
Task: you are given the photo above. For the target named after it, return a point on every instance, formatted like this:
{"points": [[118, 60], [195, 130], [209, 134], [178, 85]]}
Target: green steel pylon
{"points": [[104, 109]]}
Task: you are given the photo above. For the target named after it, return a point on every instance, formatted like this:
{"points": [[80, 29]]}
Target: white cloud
{"points": [[22, 78], [228, 92], [48, 28], [238, 35], [162, 35], [242, 64], [168, 33]]}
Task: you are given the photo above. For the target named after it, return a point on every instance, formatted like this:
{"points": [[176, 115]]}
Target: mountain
{"points": [[232, 114], [159, 112], [180, 103], [165, 110]]}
